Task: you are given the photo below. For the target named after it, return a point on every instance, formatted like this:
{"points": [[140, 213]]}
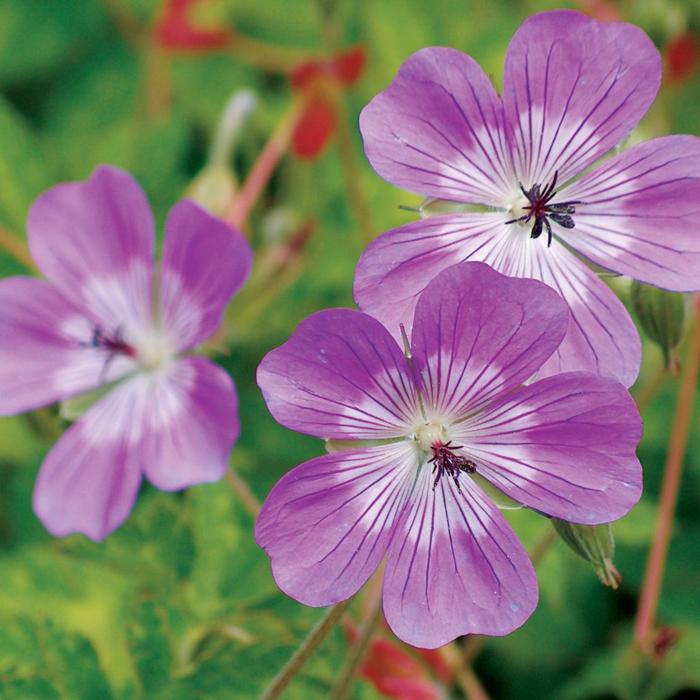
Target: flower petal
{"points": [[572, 89], [340, 375], [438, 130], [89, 480], [44, 348], [396, 267], [326, 524], [478, 333], [455, 567], [564, 445], [94, 242], [177, 427], [602, 338], [189, 422], [204, 263], [641, 212]]}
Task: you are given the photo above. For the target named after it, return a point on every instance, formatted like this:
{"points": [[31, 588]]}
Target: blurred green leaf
{"points": [[36, 37], [38, 656], [149, 644], [24, 171]]}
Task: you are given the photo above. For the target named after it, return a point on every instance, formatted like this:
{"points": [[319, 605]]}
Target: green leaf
{"points": [[148, 639], [37, 656], [23, 170], [36, 37]]}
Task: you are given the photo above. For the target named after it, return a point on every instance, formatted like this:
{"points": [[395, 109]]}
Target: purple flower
{"points": [[572, 89], [98, 321], [418, 436]]}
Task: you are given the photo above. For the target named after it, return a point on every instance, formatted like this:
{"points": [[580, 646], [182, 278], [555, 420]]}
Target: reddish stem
{"points": [[263, 167], [247, 498], [16, 248], [653, 575]]}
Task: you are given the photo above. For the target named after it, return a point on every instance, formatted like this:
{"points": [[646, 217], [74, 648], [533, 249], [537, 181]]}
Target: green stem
{"points": [[302, 654]]}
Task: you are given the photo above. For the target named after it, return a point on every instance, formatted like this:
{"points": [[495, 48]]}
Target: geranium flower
{"points": [[573, 88], [98, 322], [419, 435]]}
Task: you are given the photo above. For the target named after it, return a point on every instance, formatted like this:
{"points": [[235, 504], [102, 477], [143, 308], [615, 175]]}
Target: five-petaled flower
{"points": [[563, 445], [97, 321], [573, 88]]}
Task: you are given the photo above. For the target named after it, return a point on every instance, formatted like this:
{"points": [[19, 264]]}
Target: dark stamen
{"points": [[542, 211], [445, 461], [113, 344]]}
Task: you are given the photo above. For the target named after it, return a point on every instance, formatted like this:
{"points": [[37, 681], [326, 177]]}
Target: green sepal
{"points": [[595, 544], [662, 316]]}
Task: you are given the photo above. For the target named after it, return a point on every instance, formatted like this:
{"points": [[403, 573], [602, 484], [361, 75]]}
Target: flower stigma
{"points": [[535, 203], [152, 352], [432, 438]]}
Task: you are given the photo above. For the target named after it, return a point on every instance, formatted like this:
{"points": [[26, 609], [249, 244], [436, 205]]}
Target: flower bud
{"points": [[214, 188], [595, 544], [662, 316]]}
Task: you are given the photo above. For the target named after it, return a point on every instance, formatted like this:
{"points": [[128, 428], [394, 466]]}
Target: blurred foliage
{"points": [[179, 602]]}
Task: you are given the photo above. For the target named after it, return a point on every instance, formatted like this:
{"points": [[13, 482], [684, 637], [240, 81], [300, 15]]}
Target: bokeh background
{"points": [[179, 602]]}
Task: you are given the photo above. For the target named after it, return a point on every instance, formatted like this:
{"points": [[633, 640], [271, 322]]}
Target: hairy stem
{"points": [[470, 684], [656, 562], [242, 491], [343, 687], [16, 248], [302, 654], [263, 167]]}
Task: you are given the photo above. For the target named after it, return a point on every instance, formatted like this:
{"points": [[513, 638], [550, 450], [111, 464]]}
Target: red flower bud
{"points": [[314, 128], [682, 54], [174, 29]]}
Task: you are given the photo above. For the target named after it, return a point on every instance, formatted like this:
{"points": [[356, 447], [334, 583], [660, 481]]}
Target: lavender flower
{"points": [[572, 89], [419, 433], [95, 323]]}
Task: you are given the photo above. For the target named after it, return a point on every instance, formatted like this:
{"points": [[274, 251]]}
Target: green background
{"points": [[179, 602]]}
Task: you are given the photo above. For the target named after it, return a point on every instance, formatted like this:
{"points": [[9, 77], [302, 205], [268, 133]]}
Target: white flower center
{"points": [[519, 207], [430, 433], [154, 350]]}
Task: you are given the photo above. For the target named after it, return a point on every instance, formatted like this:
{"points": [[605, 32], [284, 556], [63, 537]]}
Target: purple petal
{"points": [[176, 426], [326, 525], [44, 353], [340, 375], [641, 213], [188, 421], [564, 445], [438, 130], [204, 263], [89, 480], [478, 333], [572, 89], [396, 267], [455, 567], [94, 242], [602, 338]]}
